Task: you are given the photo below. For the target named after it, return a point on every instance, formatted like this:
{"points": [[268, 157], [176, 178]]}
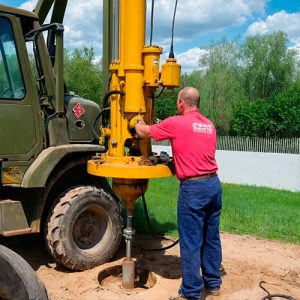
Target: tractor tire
{"points": [[18, 281], [84, 229]]}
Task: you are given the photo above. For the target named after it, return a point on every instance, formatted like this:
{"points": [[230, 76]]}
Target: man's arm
{"points": [[142, 131]]}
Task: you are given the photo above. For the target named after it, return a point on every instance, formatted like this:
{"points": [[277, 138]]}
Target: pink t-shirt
{"points": [[193, 140]]}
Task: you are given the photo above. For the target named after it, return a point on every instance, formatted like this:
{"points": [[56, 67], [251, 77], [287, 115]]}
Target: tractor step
{"points": [[12, 218]]}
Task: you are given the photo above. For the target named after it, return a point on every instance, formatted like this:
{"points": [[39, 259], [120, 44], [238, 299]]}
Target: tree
{"points": [[268, 65], [165, 106], [286, 111], [81, 74], [259, 70], [194, 79], [221, 82], [278, 117], [252, 119]]}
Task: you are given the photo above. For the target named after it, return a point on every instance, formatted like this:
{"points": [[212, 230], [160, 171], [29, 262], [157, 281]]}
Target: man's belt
{"points": [[200, 177]]}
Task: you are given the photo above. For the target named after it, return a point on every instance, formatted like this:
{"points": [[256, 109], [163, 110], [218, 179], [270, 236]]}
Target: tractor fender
{"points": [[39, 171]]}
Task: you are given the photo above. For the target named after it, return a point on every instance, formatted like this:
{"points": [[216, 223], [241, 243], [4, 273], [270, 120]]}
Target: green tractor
{"points": [[47, 136]]}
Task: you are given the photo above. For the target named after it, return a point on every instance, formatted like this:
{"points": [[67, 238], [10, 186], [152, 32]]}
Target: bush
{"points": [[286, 112], [278, 117]]}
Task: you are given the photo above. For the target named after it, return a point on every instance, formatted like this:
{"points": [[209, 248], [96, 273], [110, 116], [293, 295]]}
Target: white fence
{"points": [[249, 144], [267, 144], [275, 170]]}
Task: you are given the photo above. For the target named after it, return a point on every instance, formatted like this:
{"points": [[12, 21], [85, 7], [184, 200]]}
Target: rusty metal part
{"points": [[145, 162], [13, 219], [128, 273], [12, 175]]}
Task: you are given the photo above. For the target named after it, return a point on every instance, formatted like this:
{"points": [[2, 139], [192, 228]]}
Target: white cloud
{"points": [[194, 18], [83, 20], [189, 59], [297, 49], [97, 59], [83, 23], [29, 5], [280, 21]]}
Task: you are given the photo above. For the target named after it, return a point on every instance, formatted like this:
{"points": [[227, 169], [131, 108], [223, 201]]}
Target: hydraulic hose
{"points": [[151, 229], [105, 108], [273, 296], [95, 134], [151, 23], [160, 93], [108, 94], [171, 54], [105, 103]]}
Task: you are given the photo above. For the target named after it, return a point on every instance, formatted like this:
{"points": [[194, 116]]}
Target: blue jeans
{"points": [[198, 212]]}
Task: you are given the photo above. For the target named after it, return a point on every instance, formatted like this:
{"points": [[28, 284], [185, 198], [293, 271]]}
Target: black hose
{"points": [[151, 26], [95, 134], [171, 54], [108, 94], [162, 249], [278, 296], [151, 230], [105, 104], [271, 296], [104, 109], [160, 93]]}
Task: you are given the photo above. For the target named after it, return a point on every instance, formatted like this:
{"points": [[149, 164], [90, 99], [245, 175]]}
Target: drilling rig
{"points": [[134, 78], [54, 164]]}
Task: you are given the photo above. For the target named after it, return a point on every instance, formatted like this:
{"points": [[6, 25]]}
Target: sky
{"points": [[197, 23]]}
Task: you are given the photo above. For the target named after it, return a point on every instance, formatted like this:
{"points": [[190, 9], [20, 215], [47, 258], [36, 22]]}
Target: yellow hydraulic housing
{"points": [[135, 76]]}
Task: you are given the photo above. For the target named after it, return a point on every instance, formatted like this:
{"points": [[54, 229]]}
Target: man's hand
{"points": [[138, 119], [138, 128], [142, 131]]}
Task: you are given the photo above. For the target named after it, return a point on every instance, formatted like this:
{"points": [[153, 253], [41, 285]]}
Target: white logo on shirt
{"points": [[202, 128]]}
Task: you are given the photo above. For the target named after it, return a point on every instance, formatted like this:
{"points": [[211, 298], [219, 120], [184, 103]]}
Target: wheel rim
{"points": [[91, 228]]}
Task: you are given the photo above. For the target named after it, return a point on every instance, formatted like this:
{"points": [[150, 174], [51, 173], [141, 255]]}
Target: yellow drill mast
{"points": [[135, 76]]}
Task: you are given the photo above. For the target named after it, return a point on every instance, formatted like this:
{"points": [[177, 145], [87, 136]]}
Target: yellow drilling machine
{"points": [[57, 149], [134, 78]]}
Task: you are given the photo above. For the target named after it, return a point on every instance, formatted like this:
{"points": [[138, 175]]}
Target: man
{"points": [[193, 140]]}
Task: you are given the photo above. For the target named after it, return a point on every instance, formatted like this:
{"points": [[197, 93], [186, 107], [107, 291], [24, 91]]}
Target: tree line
{"points": [[248, 88]]}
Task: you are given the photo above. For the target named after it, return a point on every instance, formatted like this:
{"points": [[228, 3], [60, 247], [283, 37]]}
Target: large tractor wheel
{"points": [[18, 281], [84, 229]]}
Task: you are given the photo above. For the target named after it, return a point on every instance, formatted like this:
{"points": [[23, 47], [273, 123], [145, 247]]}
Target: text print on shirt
{"points": [[202, 128]]}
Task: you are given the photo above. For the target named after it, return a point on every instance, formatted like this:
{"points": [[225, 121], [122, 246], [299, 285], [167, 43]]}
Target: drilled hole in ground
{"points": [[111, 279]]}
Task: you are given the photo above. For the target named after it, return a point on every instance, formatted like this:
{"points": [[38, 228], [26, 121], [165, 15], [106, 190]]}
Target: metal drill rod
{"points": [[128, 265], [128, 232], [128, 249]]}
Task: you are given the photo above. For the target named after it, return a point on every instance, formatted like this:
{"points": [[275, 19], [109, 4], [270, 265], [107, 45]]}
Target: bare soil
{"points": [[247, 261]]}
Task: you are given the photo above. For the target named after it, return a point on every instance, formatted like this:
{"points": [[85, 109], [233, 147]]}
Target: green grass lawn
{"points": [[262, 212]]}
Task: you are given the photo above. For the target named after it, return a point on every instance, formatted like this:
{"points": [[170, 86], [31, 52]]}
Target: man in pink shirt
{"points": [[193, 140]]}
